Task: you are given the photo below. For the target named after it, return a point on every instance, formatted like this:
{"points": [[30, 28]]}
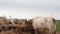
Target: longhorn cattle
{"points": [[41, 24]]}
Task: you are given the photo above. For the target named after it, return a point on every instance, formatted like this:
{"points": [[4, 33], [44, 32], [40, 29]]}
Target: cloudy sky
{"points": [[30, 8]]}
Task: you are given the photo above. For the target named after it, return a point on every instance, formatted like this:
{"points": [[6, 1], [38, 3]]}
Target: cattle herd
{"points": [[36, 25]]}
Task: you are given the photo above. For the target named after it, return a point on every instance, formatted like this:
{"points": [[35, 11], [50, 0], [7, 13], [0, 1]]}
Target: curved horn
{"points": [[11, 21]]}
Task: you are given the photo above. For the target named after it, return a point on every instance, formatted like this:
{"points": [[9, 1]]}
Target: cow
{"points": [[42, 24]]}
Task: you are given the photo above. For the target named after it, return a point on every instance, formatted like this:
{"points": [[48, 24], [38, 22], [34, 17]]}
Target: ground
{"points": [[57, 26], [57, 32]]}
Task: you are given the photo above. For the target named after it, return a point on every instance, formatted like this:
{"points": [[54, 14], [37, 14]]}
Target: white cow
{"points": [[42, 23]]}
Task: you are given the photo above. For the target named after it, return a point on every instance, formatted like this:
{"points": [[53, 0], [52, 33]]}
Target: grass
{"points": [[58, 25]]}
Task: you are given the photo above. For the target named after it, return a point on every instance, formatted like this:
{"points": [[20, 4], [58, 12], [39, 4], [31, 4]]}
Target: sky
{"points": [[30, 8]]}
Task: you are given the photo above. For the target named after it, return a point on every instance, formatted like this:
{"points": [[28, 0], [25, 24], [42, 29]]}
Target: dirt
{"points": [[57, 32]]}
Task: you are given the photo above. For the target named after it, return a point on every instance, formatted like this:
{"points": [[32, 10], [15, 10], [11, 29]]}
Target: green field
{"points": [[57, 25]]}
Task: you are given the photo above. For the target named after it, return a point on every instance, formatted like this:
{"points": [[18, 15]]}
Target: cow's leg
{"points": [[35, 31], [55, 29], [51, 32], [54, 32]]}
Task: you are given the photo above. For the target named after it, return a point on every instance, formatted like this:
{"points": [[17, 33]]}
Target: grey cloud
{"points": [[29, 4]]}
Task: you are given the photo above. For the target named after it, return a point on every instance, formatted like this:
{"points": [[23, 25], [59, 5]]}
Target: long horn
{"points": [[11, 21]]}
